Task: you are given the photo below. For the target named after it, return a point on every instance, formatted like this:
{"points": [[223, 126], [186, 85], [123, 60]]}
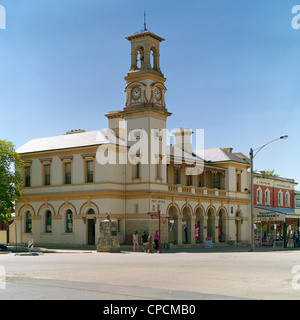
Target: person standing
{"points": [[135, 240], [186, 233], [144, 241], [150, 241], [156, 240]]}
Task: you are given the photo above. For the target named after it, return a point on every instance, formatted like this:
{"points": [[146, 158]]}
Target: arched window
{"points": [[287, 199], [259, 196], [91, 211], [69, 221], [267, 197], [154, 58], [280, 198], [139, 57], [28, 222], [48, 221]]}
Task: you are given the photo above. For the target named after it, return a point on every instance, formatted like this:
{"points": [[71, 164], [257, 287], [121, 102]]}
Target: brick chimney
{"points": [[116, 123], [183, 139], [229, 149]]}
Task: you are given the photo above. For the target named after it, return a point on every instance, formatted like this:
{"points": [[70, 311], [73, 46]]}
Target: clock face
{"points": [[136, 93], [157, 94]]}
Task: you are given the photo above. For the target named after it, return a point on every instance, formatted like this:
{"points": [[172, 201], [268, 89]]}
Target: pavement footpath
{"points": [[127, 248]]}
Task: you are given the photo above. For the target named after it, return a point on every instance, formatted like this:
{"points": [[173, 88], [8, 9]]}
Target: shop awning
{"points": [[279, 210]]}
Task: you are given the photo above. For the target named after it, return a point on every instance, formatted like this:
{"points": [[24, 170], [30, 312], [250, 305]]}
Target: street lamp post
{"points": [[252, 155]]}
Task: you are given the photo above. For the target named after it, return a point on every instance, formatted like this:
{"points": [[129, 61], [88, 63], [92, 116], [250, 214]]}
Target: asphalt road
{"points": [[136, 276]]}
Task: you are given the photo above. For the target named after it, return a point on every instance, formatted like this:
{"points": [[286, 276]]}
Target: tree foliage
{"points": [[268, 172], [11, 180], [271, 173]]}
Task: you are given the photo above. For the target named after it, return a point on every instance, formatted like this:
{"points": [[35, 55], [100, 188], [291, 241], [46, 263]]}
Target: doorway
{"points": [[91, 232]]}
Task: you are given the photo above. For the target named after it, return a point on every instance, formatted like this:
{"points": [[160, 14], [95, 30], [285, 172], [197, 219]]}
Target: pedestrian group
{"points": [[146, 241]]}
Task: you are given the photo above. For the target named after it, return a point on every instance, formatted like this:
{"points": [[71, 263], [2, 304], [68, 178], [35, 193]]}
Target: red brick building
{"points": [[274, 209], [273, 191]]}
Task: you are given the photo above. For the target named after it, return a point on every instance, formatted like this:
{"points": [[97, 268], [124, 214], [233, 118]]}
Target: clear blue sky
{"points": [[232, 68]]}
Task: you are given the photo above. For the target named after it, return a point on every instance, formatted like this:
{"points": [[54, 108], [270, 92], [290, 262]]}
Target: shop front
{"points": [[275, 226]]}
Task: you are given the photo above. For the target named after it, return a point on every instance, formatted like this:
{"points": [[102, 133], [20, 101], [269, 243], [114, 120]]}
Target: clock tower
{"points": [[145, 113], [145, 81]]}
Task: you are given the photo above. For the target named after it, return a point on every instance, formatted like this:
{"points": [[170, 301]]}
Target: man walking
{"points": [[144, 241]]}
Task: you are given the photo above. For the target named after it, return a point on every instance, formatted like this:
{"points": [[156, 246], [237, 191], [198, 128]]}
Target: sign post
{"points": [[15, 221], [156, 215]]}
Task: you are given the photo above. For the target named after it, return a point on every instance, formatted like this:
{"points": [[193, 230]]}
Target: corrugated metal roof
{"points": [[100, 137], [66, 141], [219, 155]]}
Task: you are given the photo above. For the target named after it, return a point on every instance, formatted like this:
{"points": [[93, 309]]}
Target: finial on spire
{"points": [[145, 25]]}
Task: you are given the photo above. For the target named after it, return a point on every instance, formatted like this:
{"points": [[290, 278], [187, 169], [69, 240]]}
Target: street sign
{"points": [[156, 215], [260, 214]]}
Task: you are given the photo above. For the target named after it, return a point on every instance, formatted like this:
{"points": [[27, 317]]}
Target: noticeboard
{"points": [[257, 240], [197, 232], [290, 243], [208, 242]]}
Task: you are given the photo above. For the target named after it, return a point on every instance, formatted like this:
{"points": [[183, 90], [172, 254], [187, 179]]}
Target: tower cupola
{"points": [[145, 81]]}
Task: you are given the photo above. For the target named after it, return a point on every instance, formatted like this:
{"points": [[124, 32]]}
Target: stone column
{"points": [[203, 232], [216, 231], [191, 231], [178, 230]]}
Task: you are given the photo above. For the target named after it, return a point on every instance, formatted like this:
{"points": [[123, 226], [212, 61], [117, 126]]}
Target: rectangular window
{"points": [[47, 175], [201, 177], [177, 176], [137, 169], [218, 181], [90, 171], [238, 182], [27, 176], [136, 208], [158, 169], [68, 173], [189, 180]]}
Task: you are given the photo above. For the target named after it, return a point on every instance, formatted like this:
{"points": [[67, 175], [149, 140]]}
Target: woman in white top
{"points": [[135, 240]]}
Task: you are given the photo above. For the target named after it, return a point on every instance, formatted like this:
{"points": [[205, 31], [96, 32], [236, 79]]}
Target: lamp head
{"points": [[284, 137]]}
